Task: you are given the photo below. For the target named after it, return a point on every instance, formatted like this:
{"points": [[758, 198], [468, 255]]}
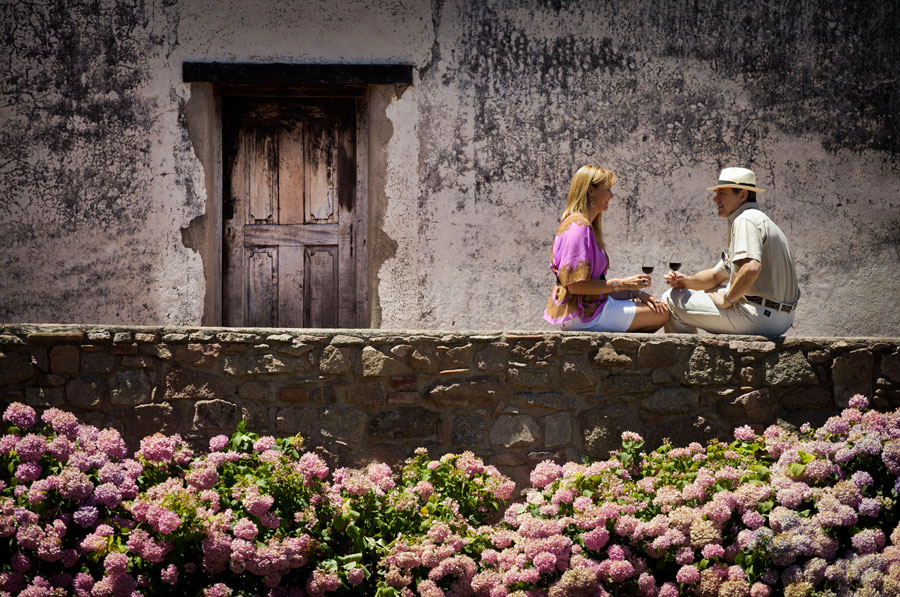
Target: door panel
{"points": [[289, 213]]}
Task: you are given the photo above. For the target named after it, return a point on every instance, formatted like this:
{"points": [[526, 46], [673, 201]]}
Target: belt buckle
{"points": [[771, 304], [786, 308], [755, 299]]}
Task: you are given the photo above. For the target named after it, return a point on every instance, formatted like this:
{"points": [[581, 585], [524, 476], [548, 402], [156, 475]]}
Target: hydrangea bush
{"points": [[799, 514]]}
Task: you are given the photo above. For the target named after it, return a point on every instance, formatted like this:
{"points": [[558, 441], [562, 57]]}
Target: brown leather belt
{"points": [[771, 304]]}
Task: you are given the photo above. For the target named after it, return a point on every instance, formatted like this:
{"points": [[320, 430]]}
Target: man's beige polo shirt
{"points": [[753, 235]]}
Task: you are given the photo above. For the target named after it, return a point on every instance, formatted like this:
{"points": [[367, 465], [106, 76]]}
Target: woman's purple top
{"points": [[576, 257]]}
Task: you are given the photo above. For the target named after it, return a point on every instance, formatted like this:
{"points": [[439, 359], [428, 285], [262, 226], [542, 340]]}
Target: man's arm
{"points": [[702, 280], [747, 272]]}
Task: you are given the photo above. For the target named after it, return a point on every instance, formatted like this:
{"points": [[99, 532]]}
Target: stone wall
{"points": [[514, 398]]}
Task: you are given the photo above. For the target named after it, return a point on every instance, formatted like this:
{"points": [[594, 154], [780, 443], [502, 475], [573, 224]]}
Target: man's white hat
{"points": [[737, 178]]}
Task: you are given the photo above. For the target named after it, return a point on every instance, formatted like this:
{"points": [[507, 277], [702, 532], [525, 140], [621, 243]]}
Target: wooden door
{"points": [[289, 213]]}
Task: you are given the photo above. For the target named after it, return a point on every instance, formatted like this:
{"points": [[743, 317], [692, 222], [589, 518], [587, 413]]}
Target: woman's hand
{"points": [[654, 303], [638, 282]]}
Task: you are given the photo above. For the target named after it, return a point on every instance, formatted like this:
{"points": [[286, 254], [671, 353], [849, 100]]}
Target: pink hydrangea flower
{"points": [[688, 575], [20, 415], [545, 473]]}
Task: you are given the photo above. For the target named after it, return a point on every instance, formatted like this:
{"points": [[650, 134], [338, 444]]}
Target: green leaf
{"points": [[796, 469]]}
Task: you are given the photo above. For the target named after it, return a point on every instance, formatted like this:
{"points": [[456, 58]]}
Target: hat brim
{"points": [[736, 186]]}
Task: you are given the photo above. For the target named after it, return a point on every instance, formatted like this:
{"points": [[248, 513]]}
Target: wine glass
{"points": [[647, 264], [674, 262]]}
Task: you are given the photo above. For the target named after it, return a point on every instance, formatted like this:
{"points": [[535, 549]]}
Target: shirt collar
{"points": [[741, 210]]}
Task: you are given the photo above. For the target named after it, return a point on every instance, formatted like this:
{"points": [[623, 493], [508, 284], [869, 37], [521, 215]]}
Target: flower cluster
{"points": [[801, 513]]}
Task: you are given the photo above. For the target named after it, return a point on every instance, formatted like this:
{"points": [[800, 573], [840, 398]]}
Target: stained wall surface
{"points": [[107, 165]]}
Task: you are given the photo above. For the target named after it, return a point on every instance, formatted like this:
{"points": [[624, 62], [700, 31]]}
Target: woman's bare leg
{"points": [[647, 320]]}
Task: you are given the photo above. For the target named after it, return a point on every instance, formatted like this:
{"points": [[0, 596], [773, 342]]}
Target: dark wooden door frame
{"points": [[295, 80]]}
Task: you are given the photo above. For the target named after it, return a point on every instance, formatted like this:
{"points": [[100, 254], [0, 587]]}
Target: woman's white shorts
{"points": [[616, 316]]}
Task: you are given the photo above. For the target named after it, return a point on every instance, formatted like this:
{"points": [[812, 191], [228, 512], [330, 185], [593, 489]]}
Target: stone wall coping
{"points": [[421, 334]]}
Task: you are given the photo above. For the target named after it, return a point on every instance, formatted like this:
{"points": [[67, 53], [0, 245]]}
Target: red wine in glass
{"points": [[674, 265], [647, 269]]}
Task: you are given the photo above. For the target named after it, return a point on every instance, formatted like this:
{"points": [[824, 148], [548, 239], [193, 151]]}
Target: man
{"points": [[761, 293]]}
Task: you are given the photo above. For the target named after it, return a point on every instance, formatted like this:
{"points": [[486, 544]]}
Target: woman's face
{"points": [[598, 200]]}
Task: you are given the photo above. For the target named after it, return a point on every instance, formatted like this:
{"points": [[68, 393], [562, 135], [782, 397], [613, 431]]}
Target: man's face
{"points": [[728, 200]]}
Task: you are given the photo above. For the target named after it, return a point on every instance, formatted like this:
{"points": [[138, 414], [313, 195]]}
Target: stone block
{"points": [[625, 343], [602, 428], [530, 378], [86, 392], [458, 357], [469, 431], [345, 340], [557, 430], [529, 352], [364, 393], [293, 395], [127, 388], [404, 422], [804, 398], [45, 397], [622, 383], [123, 338], [661, 353], [257, 417], [146, 338], [257, 391], [424, 357], [202, 356], [64, 359], [342, 423], [99, 336], [15, 368], [609, 358], [789, 368], [55, 337], [709, 365], [741, 347], [493, 357], [10, 340], [175, 338], [377, 364], [336, 360], [672, 401], [757, 405], [237, 338], [479, 391], [578, 343], [401, 351], [890, 366], [243, 365], [552, 400], [577, 372], [292, 420], [215, 414], [819, 357], [852, 373], [184, 384], [149, 419], [514, 431]]}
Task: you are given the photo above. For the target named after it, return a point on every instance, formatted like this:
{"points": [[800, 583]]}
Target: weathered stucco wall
{"points": [[106, 166], [513, 398]]}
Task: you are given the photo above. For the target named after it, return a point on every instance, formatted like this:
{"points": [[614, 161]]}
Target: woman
{"points": [[582, 298]]}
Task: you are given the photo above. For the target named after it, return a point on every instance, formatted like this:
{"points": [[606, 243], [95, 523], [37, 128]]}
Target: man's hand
{"points": [[654, 303], [719, 299], [675, 280]]}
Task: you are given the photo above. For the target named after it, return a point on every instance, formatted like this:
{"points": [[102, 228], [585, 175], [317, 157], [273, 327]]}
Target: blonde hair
{"points": [[577, 203]]}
